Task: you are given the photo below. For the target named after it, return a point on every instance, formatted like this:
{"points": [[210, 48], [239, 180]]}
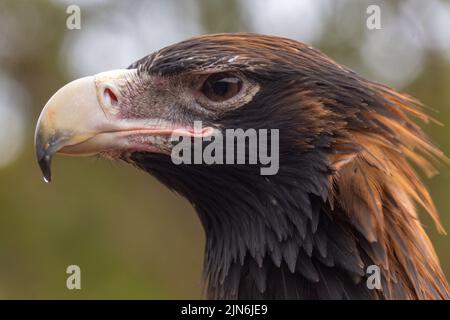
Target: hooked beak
{"points": [[84, 118]]}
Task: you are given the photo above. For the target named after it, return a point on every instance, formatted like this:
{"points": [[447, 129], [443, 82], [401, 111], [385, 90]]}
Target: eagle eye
{"points": [[222, 86]]}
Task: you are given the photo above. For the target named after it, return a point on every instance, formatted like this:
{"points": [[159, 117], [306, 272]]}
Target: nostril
{"points": [[110, 97]]}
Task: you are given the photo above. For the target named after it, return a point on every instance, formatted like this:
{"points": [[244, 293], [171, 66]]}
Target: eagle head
{"points": [[341, 199]]}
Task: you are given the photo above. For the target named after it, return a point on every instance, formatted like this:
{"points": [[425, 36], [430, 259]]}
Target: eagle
{"points": [[343, 201]]}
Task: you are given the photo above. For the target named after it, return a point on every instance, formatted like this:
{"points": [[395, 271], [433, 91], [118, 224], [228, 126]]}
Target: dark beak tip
{"points": [[44, 160], [45, 165], [44, 157]]}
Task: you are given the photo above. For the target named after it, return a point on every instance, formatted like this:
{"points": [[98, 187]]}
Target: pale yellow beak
{"points": [[73, 120], [88, 116]]}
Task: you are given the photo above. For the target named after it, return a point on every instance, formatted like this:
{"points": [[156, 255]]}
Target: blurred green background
{"points": [[132, 237]]}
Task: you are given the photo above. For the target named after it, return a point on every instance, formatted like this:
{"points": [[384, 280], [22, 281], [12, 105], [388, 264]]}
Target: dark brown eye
{"points": [[221, 87]]}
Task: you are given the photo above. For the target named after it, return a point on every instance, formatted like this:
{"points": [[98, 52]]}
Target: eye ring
{"points": [[220, 87]]}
